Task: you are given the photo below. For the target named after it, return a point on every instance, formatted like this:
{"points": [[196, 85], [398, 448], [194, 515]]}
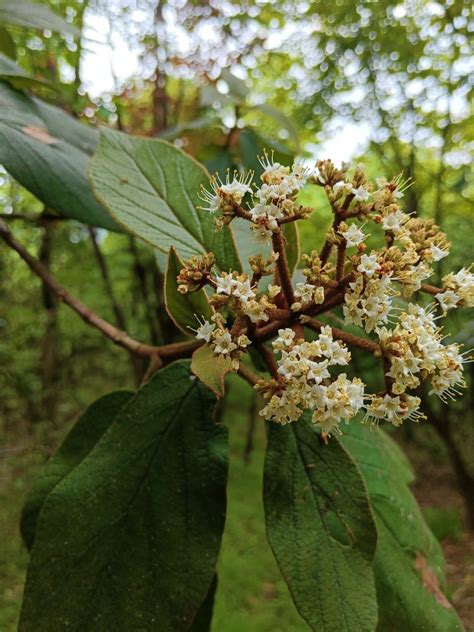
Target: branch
{"points": [[283, 270], [120, 338], [431, 289], [248, 375]]}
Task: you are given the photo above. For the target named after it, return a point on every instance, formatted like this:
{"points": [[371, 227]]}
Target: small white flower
{"points": [[368, 265], [353, 236], [360, 194], [243, 291], [255, 311], [223, 344], [394, 221], [437, 253], [205, 330], [225, 284], [448, 299], [305, 292], [273, 290], [342, 187]]}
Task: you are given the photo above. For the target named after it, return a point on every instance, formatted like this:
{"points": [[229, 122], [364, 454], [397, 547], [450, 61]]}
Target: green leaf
{"points": [[16, 76], [152, 189], [90, 427], [292, 245], [320, 527], [7, 45], [47, 151], [282, 120], [210, 369], [202, 622], [33, 15], [129, 539], [408, 563], [183, 308]]}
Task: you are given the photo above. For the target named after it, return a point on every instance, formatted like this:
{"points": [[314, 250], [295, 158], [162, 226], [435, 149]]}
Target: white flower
{"points": [[353, 236], [368, 265], [243, 291], [225, 284], [360, 194], [305, 291], [342, 187], [273, 290], [205, 330], [437, 253], [394, 221], [223, 193], [463, 284], [223, 344], [448, 299], [318, 296], [255, 311], [394, 408]]}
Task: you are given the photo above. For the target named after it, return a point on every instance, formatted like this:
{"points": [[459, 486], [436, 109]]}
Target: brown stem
{"points": [[268, 331], [283, 269], [431, 289], [120, 338], [341, 259], [327, 246], [241, 212], [270, 361], [248, 375]]}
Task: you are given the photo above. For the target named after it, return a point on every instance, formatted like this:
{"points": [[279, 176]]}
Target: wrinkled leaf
{"points": [[34, 15], [47, 151], [129, 539], [90, 427], [210, 369], [152, 189], [408, 555], [321, 529], [183, 308], [14, 75]]}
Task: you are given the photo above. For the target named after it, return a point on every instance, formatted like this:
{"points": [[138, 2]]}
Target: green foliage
{"points": [[34, 16], [94, 422], [183, 308], [47, 151], [408, 560], [125, 547], [444, 522], [320, 527], [210, 370], [151, 188], [14, 75]]}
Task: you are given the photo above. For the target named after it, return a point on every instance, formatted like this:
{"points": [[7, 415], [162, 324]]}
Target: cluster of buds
{"points": [[372, 287]]}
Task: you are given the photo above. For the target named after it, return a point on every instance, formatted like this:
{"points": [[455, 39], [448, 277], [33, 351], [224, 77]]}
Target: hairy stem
{"points": [[248, 375], [283, 269]]}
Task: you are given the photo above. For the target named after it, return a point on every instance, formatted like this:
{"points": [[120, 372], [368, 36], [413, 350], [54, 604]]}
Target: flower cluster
{"points": [[372, 286], [306, 382], [268, 205]]}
